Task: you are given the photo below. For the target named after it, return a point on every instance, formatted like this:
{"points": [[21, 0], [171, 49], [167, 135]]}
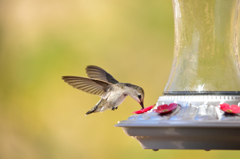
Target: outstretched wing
{"points": [[92, 86], [99, 73]]}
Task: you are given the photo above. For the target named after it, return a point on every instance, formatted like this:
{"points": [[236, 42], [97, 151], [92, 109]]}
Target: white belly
{"points": [[115, 99]]}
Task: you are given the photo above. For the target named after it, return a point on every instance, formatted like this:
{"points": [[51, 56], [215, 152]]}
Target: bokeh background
{"points": [[41, 117]]}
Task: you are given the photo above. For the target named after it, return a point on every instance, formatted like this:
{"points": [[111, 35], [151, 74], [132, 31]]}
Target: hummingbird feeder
{"points": [[204, 82]]}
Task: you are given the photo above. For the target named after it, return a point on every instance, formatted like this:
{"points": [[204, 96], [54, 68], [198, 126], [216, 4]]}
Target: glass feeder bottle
{"points": [[206, 50]]}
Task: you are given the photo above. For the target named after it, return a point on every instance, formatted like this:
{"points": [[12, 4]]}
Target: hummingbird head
{"points": [[137, 93]]}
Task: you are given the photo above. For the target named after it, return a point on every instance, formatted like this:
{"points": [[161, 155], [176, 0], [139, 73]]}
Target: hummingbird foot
{"points": [[113, 108]]}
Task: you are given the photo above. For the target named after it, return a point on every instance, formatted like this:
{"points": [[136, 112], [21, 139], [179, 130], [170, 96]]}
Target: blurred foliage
{"points": [[40, 41]]}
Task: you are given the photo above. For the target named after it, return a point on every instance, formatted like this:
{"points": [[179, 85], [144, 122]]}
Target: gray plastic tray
{"points": [[197, 123]]}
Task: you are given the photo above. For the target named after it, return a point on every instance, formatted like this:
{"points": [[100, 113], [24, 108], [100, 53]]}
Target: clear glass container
{"points": [[206, 50]]}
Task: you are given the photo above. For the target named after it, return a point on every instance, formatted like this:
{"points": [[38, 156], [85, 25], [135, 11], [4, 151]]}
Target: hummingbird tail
{"points": [[92, 110], [98, 107]]}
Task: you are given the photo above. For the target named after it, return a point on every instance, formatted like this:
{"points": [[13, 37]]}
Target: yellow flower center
{"points": [[165, 110], [229, 111]]}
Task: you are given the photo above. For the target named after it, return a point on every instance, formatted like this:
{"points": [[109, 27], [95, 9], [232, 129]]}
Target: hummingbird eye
{"points": [[140, 97]]}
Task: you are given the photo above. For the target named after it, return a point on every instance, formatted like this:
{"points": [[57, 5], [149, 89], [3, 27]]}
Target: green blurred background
{"points": [[41, 117]]}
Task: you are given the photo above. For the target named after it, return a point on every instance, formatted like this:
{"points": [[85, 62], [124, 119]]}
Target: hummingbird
{"points": [[103, 84]]}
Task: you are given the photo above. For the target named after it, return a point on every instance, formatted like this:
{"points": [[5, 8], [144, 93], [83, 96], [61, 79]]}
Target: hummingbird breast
{"points": [[115, 99]]}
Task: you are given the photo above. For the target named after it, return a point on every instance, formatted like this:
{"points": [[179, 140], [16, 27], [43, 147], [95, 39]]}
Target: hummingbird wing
{"points": [[99, 73], [92, 86]]}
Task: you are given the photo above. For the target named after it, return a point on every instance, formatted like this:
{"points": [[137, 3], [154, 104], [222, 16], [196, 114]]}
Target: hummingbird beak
{"points": [[141, 103]]}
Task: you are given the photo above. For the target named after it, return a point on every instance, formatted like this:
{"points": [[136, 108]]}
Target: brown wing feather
{"points": [[99, 73], [87, 85]]}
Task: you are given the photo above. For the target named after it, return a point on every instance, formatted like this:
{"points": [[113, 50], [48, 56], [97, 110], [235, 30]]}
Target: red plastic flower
{"points": [[233, 109], [144, 110], [162, 109]]}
